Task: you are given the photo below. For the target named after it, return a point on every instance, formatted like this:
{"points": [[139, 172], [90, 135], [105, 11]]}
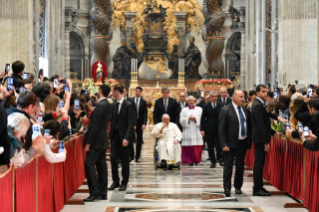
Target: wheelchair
{"points": [[167, 166]]}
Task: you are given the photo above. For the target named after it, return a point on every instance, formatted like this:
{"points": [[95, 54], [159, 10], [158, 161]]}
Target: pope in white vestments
{"points": [[169, 136], [192, 144]]}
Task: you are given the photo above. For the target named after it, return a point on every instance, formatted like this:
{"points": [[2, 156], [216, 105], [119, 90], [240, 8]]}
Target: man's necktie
{"points": [[165, 105], [242, 122], [136, 103], [265, 104], [117, 108]]}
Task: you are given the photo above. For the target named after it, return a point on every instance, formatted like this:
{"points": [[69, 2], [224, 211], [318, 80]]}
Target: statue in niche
{"points": [[193, 60], [99, 74], [173, 62], [122, 62]]}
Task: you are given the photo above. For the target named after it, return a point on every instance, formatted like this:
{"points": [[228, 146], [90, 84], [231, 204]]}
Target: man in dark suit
{"points": [[141, 120], [209, 128], [166, 105], [224, 99], [261, 134], [122, 137], [96, 143], [234, 123], [182, 104]]}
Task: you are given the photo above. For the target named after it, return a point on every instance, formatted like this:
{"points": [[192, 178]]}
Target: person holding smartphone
{"points": [[17, 69]]}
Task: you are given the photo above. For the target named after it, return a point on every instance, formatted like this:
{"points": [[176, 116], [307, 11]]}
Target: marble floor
{"points": [[191, 189]]}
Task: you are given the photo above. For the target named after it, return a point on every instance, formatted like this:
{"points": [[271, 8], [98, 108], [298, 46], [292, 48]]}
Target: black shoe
{"points": [[123, 187], [213, 165], [261, 193], [227, 192], [238, 191], [114, 186], [137, 160], [163, 164], [264, 190], [91, 198], [191, 164], [221, 163], [102, 197], [196, 164]]}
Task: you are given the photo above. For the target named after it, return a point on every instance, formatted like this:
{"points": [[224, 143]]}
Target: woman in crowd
{"points": [[17, 127]]}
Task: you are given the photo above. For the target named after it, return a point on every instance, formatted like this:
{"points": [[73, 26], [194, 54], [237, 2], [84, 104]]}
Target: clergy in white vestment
{"points": [[192, 145], [168, 146]]}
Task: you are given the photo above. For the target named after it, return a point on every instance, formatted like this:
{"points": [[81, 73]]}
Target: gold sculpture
{"points": [[195, 18]]}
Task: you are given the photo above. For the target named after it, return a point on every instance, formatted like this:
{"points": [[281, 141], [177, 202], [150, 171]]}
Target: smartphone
{"points": [[47, 132], [7, 68], [300, 127], [55, 83], [309, 92], [61, 146], [40, 119], [306, 131], [9, 83], [21, 89], [41, 72], [280, 113], [287, 126], [36, 130], [275, 95], [25, 76], [61, 105], [67, 88], [63, 81], [41, 113], [76, 104]]}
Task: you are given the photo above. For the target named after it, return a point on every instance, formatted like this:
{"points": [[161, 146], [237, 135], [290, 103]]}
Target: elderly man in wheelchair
{"points": [[168, 144]]}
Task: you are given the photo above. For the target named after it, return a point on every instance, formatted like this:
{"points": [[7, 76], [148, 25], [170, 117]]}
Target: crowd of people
{"points": [[36, 117]]}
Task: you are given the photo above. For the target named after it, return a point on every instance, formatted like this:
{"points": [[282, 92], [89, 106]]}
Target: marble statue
{"points": [[122, 62], [173, 62], [193, 60], [138, 55]]}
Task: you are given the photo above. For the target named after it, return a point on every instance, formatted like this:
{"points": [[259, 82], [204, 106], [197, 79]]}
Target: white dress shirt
{"points": [[214, 105], [120, 105], [183, 104], [245, 124]]}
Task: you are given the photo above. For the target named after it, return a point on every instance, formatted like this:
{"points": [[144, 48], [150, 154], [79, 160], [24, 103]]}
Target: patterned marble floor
{"points": [[191, 189]]}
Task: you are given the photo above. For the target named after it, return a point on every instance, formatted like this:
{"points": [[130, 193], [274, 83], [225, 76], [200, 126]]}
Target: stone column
{"points": [[181, 29], [36, 29], [274, 43], [129, 27], [261, 42], [242, 11]]}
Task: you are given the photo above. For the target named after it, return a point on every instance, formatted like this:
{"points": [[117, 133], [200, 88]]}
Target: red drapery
{"points": [[58, 184], [277, 162], [6, 193], [294, 170], [25, 188], [268, 159], [250, 157], [45, 189], [312, 181], [70, 178], [79, 162]]}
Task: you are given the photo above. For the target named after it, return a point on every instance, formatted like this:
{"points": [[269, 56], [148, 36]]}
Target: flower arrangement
{"points": [[213, 82], [110, 82], [88, 84], [149, 104]]}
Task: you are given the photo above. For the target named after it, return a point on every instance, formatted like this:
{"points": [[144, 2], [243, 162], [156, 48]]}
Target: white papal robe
{"points": [[166, 148], [192, 144]]}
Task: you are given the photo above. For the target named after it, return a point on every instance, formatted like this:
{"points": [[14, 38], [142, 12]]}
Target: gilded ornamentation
{"points": [[167, 7]]}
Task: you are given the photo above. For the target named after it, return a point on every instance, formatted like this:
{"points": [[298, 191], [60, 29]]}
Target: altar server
{"points": [[168, 146], [192, 144]]}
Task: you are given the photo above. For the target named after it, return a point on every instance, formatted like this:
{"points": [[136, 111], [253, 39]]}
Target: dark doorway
{"points": [[77, 56]]}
